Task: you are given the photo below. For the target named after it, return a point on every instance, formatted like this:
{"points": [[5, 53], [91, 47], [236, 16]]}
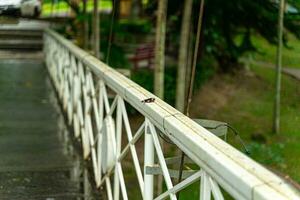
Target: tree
{"points": [[74, 5], [226, 20], [96, 31], [85, 26], [136, 7], [183, 55], [276, 124], [160, 49], [229, 25]]}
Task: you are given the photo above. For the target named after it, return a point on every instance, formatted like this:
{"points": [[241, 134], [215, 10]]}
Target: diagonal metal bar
{"points": [[183, 184], [135, 138], [108, 189], [132, 147], [215, 189], [162, 161]]}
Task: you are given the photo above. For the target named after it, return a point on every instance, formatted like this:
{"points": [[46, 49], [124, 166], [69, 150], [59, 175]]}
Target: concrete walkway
{"points": [[293, 72], [35, 163]]}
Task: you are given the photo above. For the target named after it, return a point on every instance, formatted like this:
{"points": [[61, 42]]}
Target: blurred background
{"points": [[242, 47]]}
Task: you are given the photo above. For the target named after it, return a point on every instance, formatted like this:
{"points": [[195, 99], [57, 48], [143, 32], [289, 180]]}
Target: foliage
{"points": [[250, 110], [69, 31], [267, 154], [131, 30], [145, 78], [204, 71], [170, 82], [121, 29], [224, 23], [225, 20], [139, 26], [116, 58], [74, 5], [267, 52]]}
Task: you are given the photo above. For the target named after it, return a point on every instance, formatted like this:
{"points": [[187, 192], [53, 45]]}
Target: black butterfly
{"points": [[149, 100]]}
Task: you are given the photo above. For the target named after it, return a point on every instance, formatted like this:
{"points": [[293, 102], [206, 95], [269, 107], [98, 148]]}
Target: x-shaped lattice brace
{"points": [[91, 114]]}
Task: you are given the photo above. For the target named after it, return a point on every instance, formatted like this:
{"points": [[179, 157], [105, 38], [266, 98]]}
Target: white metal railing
{"points": [[85, 86]]}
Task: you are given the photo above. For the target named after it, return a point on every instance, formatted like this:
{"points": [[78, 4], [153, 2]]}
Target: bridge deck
{"points": [[34, 163]]}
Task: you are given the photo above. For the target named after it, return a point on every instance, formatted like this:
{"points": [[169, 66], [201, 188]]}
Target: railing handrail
{"points": [[234, 171]]}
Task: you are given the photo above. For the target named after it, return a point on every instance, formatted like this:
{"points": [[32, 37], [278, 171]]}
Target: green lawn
{"points": [[267, 52], [284, 149], [251, 111], [62, 7]]}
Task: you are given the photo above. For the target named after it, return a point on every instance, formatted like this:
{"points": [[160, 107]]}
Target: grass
{"points": [[63, 7], [251, 111], [267, 52], [288, 140]]}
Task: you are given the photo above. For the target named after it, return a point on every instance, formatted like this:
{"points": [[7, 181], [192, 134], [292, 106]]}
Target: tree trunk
{"points": [[276, 123], [85, 26], [140, 6], [74, 5], [159, 67], [183, 56], [116, 7], [96, 31], [135, 9], [160, 49]]}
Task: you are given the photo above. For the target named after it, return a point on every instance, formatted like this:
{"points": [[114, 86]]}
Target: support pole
{"points": [[183, 56], [191, 85], [148, 161], [96, 31], [160, 48], [276, 123], [194, 63]]}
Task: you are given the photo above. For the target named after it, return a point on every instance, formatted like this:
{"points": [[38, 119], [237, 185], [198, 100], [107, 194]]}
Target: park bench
{"points": [[143, 56]]}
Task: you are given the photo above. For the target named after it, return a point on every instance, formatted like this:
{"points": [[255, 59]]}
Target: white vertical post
{"points": [[99, 134], [118, 149], [148, 161], [205, 191]]}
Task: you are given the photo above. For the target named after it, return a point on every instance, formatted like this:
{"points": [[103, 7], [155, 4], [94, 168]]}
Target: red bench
{"points": [[143, 53]]}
